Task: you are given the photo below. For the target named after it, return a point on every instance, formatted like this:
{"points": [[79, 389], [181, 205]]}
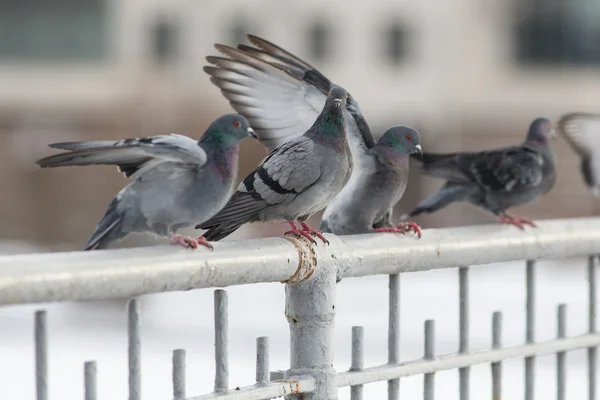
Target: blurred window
{"points": [[165, 39], [395, 43], [558, 32], [53, 30], [319, 41]]}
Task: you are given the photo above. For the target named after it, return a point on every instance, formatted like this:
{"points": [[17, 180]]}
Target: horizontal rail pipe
{"points": [[386, 372], [114, 274], [270, 391]]}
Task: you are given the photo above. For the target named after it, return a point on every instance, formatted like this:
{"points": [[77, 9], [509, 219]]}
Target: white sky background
{"points": [[80, 332]]}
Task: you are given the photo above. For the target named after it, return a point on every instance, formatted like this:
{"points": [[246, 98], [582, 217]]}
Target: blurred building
{"points": [[468, 74]]}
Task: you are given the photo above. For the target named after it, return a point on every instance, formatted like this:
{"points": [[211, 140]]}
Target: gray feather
{"points": [[296, 179], [176, 181], [375, 189], [494, 180]]}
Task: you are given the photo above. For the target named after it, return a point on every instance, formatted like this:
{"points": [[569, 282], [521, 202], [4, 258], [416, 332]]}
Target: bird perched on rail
{"points": [[370, 207], [295, 180], [281, 95], [582, 132], [177, 181], [494, 180]]}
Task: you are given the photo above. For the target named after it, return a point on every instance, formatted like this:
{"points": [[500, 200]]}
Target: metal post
{"points": [[429, 379], [89, 380], [530, 327], [394, 333], [497, 366], [178, 374], [592, 351], [561, 332], [262, 361], [41, 355], [463, 284], [221, 342], [358, 360], [310, 311], [134, 339]]}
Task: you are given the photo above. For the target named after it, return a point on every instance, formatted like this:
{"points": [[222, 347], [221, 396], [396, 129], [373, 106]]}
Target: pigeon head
{"points": [[228, 129], [337, 97], [402, 139], [540, 131]]}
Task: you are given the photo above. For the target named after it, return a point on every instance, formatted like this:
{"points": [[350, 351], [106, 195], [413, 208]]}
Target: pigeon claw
{"points": [[306, 232], [410, 227], [519, 222], [202, 241], [314, 232], [190, 242], [401, 229], [299, 233]]}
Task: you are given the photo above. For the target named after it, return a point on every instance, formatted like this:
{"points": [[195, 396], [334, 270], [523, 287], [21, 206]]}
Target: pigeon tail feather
{"points": [[242, 208], [108, 229], [449, 193]]}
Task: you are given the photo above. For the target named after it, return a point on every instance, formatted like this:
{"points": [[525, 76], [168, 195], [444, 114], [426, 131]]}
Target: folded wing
{"points": [[134, 157]]}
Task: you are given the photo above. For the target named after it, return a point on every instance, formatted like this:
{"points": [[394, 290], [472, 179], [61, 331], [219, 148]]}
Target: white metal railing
{"points": [[310, 274]]}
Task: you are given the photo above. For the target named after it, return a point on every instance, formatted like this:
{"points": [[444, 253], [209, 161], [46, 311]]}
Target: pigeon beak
{"points": [[251, 133], [337, 102], [553, 134], [419, 150]]}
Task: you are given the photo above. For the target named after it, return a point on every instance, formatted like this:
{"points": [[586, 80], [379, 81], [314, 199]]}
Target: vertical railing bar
{"points": [[89, 380], [394, 333], [592, 352], [463, 284], [561, 332], [358, 360], [429, 379], [530, 327], [221, 341], [497, 366], [178, 374], [262, 360], [41, 354], [134, 346]]}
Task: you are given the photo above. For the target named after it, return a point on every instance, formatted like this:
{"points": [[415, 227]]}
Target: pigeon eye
{"points": [[236, 124], [408, 137]]}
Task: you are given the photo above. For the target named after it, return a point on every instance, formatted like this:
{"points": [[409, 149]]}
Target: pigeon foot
{"points": [[189, 242], [299, 233], [314, 232], [402, 228], [306, 232], [519, 222]]}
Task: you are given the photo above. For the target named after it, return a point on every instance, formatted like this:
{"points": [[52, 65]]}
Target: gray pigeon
{"points": [[177, 181], [582, 132], [497, 179], [369, 209], [281, 95], [295, 180]]}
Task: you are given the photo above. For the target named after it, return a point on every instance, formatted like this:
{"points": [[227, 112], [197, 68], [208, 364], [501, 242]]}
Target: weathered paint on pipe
{"points": [[259, 392], [310, 311]]}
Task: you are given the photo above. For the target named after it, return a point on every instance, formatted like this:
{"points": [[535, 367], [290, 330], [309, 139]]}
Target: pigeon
{"points": [[177, 181], [281, 95], [582, 132], [494, 180], [295, 180], [370, 208]]}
